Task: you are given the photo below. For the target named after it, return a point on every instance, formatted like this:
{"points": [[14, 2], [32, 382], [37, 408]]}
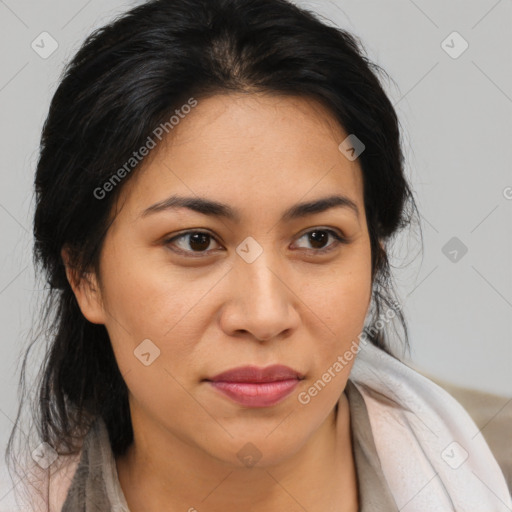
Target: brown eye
{"points": [[318, 238], [192, 242]]}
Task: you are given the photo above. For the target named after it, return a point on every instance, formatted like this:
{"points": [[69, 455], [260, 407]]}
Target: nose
{"points": [[261, 300]]}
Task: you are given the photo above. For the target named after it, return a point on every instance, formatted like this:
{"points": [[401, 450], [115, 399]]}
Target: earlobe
{"points": [[86, 290]]}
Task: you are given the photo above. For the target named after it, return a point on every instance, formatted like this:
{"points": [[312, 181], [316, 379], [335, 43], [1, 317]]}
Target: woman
{"points": [[217, 187]]}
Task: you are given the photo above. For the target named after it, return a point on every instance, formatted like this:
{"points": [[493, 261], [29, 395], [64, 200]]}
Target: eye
{"points": [[198, 241], [318, 237]]}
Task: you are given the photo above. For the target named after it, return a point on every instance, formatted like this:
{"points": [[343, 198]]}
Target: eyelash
{"points": [[198, 254]]}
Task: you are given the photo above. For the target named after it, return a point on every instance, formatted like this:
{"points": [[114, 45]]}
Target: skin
{"points": [[214, 311]]}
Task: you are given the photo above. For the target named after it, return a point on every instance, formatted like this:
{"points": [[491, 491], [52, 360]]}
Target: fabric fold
{"points": [[432, 453]]}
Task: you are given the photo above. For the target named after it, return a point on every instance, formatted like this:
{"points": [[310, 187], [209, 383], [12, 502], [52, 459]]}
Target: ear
{"points": [[86, 290]]}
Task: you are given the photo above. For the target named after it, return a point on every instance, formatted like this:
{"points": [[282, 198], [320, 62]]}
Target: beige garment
{"points": [[374, 493]]}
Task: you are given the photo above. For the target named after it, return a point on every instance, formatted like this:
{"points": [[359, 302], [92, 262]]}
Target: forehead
{"points": [[251, 151]]}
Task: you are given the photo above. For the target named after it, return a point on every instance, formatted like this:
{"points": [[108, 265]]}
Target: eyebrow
{"points": [[221, 210]]}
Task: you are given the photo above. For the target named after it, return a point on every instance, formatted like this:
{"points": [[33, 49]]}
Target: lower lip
{"points": [[253, 394]]}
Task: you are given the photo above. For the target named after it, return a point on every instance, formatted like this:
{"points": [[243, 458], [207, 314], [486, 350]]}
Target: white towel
{"points": [[433, 455]]}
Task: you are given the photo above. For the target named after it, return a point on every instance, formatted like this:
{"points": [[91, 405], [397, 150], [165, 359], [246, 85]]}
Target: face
{"points": [[187, 294]]}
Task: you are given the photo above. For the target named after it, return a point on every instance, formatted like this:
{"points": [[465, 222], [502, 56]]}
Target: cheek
{"points": [[339, 308], [152, 336], [148, 299], [150, 302], [341, 298]]}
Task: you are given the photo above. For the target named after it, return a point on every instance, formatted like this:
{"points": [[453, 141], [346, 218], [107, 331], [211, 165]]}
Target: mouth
{"points": [[257, 387]]}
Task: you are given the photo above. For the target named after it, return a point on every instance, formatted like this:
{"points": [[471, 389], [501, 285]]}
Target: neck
{"points": [[161, 472]]}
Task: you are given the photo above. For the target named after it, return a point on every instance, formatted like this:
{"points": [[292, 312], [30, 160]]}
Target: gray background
{"points": [[456, 115]]}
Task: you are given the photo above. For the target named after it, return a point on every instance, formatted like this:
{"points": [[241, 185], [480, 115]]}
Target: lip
{"points": [[252, 386], [256, 374]]}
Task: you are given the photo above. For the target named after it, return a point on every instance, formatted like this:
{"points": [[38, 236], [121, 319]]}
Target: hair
{"points": [[128, 78]]}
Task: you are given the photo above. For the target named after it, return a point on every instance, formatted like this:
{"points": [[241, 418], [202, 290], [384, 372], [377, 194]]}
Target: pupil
{"points": [[200, 240], [316, 238]]}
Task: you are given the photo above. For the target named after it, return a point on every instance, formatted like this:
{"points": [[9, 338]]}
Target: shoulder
{"points": [[61, 481], [46, 489], [493, 416], [46, 486]]}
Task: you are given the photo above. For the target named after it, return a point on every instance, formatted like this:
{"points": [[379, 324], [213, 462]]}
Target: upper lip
{"points": [[251, 373]]}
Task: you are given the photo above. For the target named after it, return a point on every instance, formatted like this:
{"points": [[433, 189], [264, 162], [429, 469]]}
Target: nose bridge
{"points": [[259, 275], [262, 302]]}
